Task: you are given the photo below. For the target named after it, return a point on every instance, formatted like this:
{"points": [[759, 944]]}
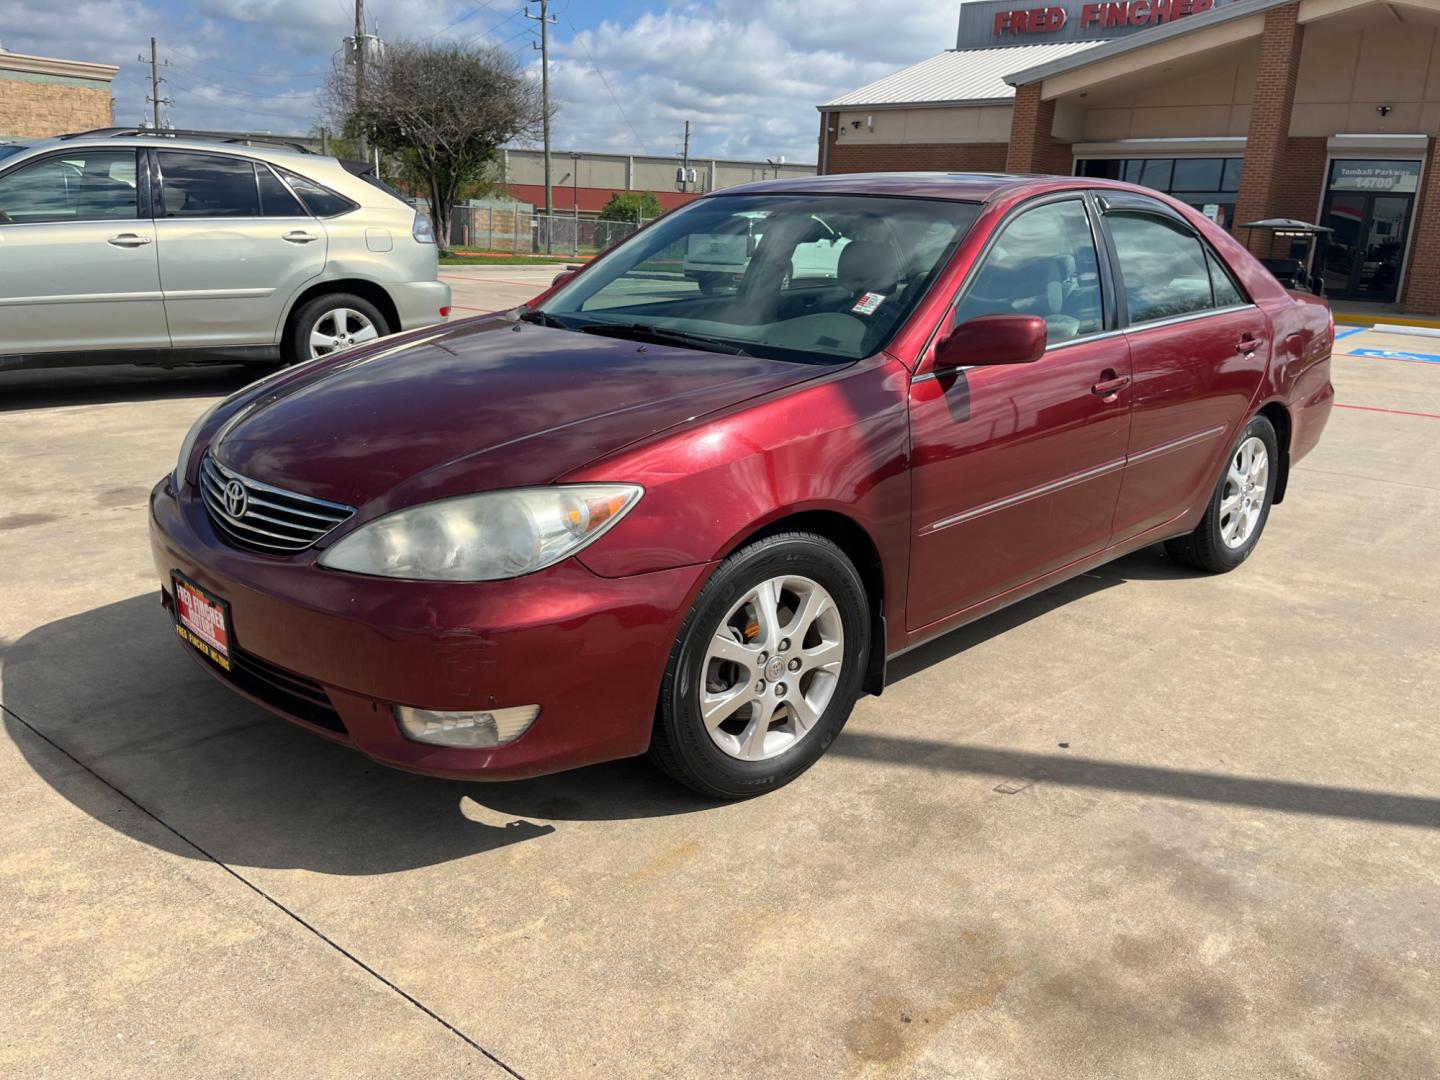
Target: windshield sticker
{"points": [[867, 303]]}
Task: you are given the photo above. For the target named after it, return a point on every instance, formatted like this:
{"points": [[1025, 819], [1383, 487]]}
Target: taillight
{"points": [[422, 230]]}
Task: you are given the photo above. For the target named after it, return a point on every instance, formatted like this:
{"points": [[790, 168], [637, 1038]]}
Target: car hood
{"points": [[479, 406]]}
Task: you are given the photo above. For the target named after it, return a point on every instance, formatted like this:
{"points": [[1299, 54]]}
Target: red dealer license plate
{"points": [[202, 620]]}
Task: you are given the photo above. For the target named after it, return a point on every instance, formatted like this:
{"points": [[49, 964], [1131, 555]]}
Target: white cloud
{"points": [[747, 73]]}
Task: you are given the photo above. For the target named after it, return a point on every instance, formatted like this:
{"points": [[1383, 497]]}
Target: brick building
{"points": [[1324, 110], [42, 96]]}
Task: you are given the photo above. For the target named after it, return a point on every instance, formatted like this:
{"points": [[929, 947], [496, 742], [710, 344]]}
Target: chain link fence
{"points": [[523, 231]]}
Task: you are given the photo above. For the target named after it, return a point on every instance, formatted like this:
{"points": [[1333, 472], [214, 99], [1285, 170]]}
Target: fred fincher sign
{"points": [[988, 23]]}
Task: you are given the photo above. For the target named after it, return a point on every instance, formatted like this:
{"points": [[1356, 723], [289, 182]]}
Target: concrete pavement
{"points": [[1147, 824]]}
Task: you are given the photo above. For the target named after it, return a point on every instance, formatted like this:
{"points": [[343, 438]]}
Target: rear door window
{"points": [[1163, 266], [208, 185], [275, 197]]}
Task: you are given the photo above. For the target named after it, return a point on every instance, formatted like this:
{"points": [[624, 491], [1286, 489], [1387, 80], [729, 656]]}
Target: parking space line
{"points": [[1394, 412], [1352, 330], [260, 892]]}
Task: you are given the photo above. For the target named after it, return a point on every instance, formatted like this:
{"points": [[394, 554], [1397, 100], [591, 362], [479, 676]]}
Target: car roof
{"points": [[966, 187], [265, 150]]}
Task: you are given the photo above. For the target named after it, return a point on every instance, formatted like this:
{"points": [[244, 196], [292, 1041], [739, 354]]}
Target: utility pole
{"points": [[360, 73], [155, 99], [545, 19], [685, 161]]}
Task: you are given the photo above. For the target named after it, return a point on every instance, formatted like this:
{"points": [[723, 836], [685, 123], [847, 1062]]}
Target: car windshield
{"points": [[811, 278]]}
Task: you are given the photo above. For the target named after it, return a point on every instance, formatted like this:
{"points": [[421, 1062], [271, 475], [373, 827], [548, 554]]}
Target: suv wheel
{"points": [[330, 324]]}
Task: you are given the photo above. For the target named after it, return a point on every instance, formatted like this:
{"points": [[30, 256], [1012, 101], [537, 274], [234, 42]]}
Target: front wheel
{"points": [[1239, 506], [766, 669]]}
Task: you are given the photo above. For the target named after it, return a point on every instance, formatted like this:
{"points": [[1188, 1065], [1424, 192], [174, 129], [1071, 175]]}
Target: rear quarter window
{"points": [[318, 199]]}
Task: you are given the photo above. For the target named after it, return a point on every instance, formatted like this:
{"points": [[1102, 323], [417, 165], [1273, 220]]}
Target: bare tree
{"points": [[446, 107]]}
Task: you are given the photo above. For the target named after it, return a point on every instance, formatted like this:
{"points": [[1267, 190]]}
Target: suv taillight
{"points": [[422, 230]]}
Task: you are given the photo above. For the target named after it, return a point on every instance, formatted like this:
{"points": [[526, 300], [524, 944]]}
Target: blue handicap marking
{"points": [[1353, 330], [1392, 354]]}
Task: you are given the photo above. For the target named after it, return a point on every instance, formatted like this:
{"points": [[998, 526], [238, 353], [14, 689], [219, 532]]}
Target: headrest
{"points": [[869, 266]]}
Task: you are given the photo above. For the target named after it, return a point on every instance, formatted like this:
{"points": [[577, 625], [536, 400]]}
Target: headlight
{"points": [[177, 480], [498, 534]]}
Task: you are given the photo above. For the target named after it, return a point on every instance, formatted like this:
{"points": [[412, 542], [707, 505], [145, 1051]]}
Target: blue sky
{"points": [[625, 74]]}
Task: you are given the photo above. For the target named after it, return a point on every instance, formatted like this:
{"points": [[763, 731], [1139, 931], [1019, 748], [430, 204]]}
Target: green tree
{"points": [[632, 206], [445, 108]]}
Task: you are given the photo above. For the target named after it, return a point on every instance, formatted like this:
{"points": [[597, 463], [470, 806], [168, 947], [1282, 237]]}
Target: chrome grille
{"points": [[268, 518]]}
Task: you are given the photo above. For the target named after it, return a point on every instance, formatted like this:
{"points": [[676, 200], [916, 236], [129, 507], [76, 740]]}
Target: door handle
{"points": [[1248, 345], [1106, 388], [300, 237], [128, 240]]}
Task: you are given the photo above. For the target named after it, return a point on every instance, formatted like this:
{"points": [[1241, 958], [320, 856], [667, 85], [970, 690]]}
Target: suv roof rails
{"points": [[187, 133]]}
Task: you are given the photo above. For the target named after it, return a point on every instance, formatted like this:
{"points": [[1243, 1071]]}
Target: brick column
{"points": [[1422, 275], [1269, 134], [1032, 148]]}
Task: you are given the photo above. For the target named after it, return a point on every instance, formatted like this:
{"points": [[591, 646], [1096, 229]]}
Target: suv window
{"points": [[1162, 265], [320, 201], [208, 185], [95, 185], [275, 197], [1042, 263]]}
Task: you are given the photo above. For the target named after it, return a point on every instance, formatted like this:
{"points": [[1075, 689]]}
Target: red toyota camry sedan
{"points": [[693, 498]]}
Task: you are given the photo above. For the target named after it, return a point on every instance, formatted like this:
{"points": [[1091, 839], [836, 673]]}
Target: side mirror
{"points": [[993, 339], [562, 277]]}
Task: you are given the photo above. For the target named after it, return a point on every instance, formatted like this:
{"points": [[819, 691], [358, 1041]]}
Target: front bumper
{"points": [[419, 302], [333, 651]]}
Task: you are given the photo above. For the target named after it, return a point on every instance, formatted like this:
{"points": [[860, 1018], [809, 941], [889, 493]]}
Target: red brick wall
{"points": [[1032, 148], [1268, 139], [921, 157], [1297, 190], [1422, 276]]}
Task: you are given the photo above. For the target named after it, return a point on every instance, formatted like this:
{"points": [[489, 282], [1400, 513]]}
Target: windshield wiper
{"points": [[663, 334], [541, 318]]}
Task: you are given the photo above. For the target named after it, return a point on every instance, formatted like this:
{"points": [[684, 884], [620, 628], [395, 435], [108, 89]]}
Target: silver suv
{"points": [[166, 247]]}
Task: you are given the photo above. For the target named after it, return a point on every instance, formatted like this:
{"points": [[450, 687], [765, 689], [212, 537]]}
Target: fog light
{"points": [[492, 727]]}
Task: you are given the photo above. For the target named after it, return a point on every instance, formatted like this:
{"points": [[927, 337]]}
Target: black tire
{"points": [[681, 746], [1205, 548], [296, 345]]}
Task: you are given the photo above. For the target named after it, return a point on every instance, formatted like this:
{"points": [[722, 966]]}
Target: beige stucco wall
{"points": [[961, 124]]}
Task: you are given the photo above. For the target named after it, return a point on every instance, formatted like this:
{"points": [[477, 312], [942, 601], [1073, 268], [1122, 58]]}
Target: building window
{"points": [[1210, 185]]}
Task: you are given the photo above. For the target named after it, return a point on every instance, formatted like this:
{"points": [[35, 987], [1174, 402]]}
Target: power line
{"points": [[196, 76], [606, 82]]}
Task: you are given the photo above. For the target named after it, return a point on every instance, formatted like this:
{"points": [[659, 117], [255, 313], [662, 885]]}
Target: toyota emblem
{"points": [[236, 500]]}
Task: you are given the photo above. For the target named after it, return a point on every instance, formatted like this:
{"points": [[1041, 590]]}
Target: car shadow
{"points": [[112, 690], [48, 388], [1147, 564]]}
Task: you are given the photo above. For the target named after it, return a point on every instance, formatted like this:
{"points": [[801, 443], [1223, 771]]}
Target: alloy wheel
{"points": [[771, 668], [340, 328], [1246, 487]]}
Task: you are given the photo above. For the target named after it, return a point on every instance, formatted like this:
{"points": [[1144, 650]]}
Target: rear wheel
{"points": [[766, 669], [332, 323], [1239, 506]]}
